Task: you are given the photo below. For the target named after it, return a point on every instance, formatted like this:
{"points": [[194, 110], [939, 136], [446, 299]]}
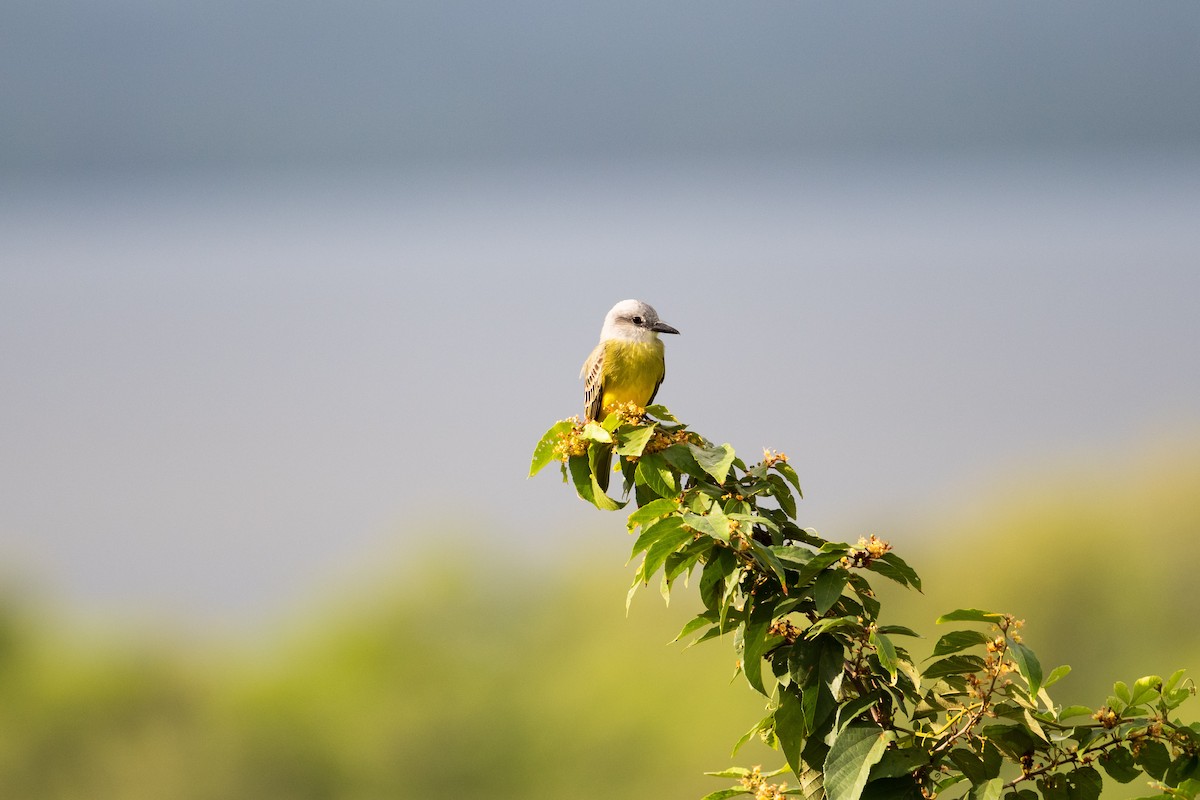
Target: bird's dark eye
{"points": [[637, 320]]}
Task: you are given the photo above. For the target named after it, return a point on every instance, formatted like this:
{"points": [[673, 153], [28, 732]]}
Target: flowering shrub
{"points": [[852, 712]]}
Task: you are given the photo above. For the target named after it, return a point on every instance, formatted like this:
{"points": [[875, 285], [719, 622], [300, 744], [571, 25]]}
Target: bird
{"points": [[627, 366]]}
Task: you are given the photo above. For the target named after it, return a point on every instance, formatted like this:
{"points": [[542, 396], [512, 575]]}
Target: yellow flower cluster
{"points": [[1107, 717], [773, 457], [571, 443], [1012, 625], [995, 667], [628, 412], [866, 551], [785, 629], [661, 440], [755, 782]]}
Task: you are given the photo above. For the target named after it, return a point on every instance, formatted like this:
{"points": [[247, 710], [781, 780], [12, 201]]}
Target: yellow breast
{"points": [[631, 371]]}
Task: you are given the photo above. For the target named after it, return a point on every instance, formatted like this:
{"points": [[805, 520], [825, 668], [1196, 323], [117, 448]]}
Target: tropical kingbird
{"points": [[628, 365]]}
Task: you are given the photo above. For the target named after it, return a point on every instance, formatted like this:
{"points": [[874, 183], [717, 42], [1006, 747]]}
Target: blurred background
{"points": [[288, 292]]}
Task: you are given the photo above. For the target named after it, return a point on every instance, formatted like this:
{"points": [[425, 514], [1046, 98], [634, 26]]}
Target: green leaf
{"points": [[811, 775], [902, 788], [594, 432], [1145, 689], [891, 566], [653, 472], [1033, 725], [1056, 674], [790, 728], [659, 411], [886, 652], [1119, 765], [767, 559], [851, 756], [898, 762], [662, 547], [686, 558], [543, 452], [968, 764], [785, 469], [1054, 787], [713, 577], [1074, 711], [761, 726], [953, 665], [903, 567], [804, 658], [586, 486], [1153, 758], [652, 511], [719, 521], [828, 588], [1122, 692], [833, 624], [794, 557], [722, 794], [888, 571], [847, 712], [754, 644], [1012, 740], [748, 520], [680, 457], [1084, 783], [970, 615], [988, 790], [816, 565], [652, 533], [943, 784], [1030, 667], [954, 641], [783, 495], [819, 705], [581, 475], [714, 524], [612, 421], [1182, 768], [898, 630], [731, 772], [716, 461], [993, 760], [695, 624], [632, 439]]}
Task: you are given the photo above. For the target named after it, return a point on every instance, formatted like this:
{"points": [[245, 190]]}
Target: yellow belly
{"points": [[632, 371]]}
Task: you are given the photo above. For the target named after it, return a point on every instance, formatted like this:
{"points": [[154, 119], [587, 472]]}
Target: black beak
{"points": [[662, 327]]}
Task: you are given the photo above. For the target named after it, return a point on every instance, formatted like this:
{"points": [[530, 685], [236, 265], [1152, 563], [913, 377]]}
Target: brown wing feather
{"points": [[660, 380], [593, 389]]}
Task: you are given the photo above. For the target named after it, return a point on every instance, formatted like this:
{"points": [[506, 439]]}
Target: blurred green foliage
{"points": [[1101, 561], [435, 683], [460, 680]]}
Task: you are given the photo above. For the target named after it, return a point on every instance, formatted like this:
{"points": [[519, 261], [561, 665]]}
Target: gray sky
{"points": [[127, 84]]}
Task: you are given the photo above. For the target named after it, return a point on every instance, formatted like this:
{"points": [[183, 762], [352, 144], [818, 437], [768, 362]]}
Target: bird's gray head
{"points": [[633, 320]]}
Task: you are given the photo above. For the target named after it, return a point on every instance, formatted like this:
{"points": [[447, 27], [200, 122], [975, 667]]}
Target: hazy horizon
{"points": [[226, 392]]}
